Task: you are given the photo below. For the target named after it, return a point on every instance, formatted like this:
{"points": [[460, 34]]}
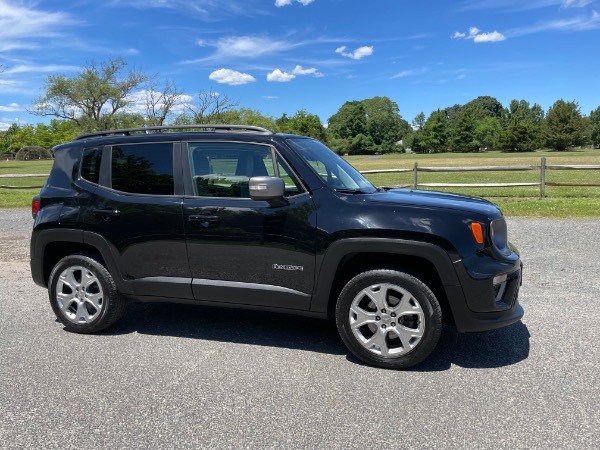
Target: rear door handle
{"points": [[207, 221], [106, 214]]}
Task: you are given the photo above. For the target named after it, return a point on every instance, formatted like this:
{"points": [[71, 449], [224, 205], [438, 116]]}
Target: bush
{"points": [[33, 152]]}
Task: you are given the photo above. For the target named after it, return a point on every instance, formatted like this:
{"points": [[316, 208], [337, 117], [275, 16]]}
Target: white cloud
{"points": [[299, 70], [11, 107], [38, 69], [494, 36], [357, 54], [139, 98], [231, 77], [4, 126], [403, 74], [19, 23], [270, 97], [281, 3], [575, 3], [277, 76], [580, 23], [479, 37]]}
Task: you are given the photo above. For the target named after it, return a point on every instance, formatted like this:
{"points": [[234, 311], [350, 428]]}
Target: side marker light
{"points": [[477, 231]]}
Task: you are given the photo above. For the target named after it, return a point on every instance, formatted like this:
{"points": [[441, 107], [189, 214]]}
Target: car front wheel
{"points": [[388, 318]]}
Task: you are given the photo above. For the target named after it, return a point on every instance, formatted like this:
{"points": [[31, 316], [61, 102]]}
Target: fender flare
{"points": [[339, 249], [41, 239]]}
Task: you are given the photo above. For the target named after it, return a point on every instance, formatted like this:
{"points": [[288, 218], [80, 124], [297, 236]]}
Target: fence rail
{"points": [[542, 168], [22, 175]]}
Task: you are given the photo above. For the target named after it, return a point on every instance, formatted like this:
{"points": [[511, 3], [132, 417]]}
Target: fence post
{"points": [[543, 177], [415, 175]]}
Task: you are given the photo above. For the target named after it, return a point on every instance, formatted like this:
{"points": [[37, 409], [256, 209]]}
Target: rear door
{"points": [[241, 250], [138, 211]]}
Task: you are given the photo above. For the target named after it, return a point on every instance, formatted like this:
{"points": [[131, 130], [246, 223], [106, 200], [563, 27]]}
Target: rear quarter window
{"points": [[90, 164]]}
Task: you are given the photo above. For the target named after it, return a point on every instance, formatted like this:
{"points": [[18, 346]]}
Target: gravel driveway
{"points": [[180, 376]]}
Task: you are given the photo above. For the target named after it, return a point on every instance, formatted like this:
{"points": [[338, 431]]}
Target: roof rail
{"points": [[160, 129]]}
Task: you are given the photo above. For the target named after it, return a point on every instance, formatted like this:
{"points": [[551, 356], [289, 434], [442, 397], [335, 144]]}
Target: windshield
{"points": [[336, 172]]}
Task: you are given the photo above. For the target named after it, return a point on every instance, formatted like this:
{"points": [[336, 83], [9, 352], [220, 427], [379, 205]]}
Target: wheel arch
{"points": [[50, 246], [346, 259]]}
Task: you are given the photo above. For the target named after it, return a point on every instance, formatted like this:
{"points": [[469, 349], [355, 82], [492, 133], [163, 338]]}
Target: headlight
{"points": [[499, 234]]}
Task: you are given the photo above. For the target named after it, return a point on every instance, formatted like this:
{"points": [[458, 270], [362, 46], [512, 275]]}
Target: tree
{"points": [[435, 133], [160, 103], [349, 121], [384, 124], [522, 127], [209, 107], [462, 134], [484, 106], [594, 127], [247, 116], [378, 118], [419, 121], [487, 132], [93, 97], [564, 125], [306, 124]]}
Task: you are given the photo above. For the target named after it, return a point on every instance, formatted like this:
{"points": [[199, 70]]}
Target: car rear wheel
{"points": [[388, 318], [83, 294]]}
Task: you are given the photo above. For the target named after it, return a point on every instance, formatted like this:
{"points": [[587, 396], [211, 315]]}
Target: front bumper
{"points": [[489, 289]]}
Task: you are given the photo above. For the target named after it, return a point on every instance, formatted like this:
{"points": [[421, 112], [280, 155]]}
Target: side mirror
{"points": [[266, 188]]}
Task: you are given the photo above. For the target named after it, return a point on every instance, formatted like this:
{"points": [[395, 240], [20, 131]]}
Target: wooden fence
{"points": [[542, 168], [22, 175]]}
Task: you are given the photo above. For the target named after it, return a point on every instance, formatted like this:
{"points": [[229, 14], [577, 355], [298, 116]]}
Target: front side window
{"points": [[143, 168], [223, 169], [332, 169]]}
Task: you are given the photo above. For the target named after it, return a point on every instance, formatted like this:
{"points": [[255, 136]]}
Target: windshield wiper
{"points": [[350, 191]]}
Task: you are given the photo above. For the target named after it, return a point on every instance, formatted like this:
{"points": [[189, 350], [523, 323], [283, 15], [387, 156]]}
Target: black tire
{"points": [[398, 333], [83, 294]]}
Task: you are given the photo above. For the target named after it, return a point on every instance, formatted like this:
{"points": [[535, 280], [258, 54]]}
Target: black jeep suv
{"points": [[239, 216]]}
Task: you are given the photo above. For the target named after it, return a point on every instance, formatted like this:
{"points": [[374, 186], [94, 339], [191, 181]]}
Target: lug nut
{"points": [[383, 326], [377, 318], [393, 324], [393, 314]]}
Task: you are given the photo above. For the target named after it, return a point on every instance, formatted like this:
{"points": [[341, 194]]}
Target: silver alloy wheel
{"points": [[387, 320], [79, 294]]}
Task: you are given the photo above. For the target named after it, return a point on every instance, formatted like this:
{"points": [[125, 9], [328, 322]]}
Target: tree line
{"points": [[102, 96]]}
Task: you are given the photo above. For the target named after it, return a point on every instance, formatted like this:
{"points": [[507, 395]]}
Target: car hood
{"points": [[433, 199]]}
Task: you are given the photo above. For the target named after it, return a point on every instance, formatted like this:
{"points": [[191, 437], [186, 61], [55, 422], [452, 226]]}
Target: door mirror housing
{"points": [[266, 188]]}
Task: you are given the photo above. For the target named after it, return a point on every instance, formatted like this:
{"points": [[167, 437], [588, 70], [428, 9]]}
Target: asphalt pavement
{"points": [[177, 376]]}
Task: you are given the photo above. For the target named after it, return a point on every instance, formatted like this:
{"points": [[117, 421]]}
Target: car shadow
{"points": [[230, 325], [496, 348]]}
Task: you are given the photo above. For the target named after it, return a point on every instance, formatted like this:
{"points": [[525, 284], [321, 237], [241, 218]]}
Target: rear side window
{"points": [[90, 164], [143, 168]]}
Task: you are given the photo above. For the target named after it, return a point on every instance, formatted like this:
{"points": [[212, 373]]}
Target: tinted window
{"points": [[143, 168], [90, 164]]}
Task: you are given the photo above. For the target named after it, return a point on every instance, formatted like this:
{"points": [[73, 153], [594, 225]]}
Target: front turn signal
{"points": [[477, 231]]}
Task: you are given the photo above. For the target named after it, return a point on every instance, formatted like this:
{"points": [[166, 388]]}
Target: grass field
{"points": [[560, 201]]}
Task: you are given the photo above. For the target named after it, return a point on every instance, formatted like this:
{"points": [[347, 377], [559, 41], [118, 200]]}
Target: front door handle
{"points": [[207, 221]]}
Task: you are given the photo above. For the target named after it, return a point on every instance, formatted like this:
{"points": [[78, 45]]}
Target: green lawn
{"points": [[560, 201]]}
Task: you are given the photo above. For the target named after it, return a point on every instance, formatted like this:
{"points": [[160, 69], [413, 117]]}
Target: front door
{"points": [[241, 250]]}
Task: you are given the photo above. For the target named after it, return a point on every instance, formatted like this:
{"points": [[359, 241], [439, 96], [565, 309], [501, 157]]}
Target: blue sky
{"points": [[280, 56]]}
